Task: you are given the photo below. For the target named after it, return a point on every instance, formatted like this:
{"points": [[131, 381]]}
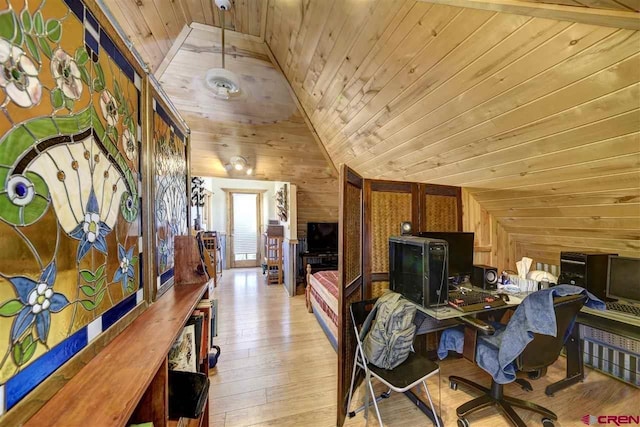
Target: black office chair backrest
{"points": [[544, 350], [360, 310]]}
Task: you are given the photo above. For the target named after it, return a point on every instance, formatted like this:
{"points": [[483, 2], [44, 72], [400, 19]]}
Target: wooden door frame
{"points": [[229, 192], [350, 289]]}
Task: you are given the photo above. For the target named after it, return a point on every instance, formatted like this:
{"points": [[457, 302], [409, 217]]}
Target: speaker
{"points": [[484, 277], [406, 228]]}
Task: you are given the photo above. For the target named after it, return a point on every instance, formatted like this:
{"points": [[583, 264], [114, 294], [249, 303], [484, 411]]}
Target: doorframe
{"points": [[229, 192]]}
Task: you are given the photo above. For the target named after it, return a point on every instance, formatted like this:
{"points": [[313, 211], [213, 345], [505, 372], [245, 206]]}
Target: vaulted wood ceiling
{"points": [[536, 113], [263, 124], [154, 25], [539, 118]]}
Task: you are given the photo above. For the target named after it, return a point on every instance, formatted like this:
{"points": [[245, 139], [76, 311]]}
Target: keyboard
{"points": [[633, 310], [474, 300]]}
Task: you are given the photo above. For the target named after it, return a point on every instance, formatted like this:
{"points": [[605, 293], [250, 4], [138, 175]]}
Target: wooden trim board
{"points": [[605, 18]]}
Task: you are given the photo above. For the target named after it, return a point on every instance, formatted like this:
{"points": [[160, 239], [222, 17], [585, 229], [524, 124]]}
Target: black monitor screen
{"points": [[322, 236], [624, 278], [405, 275], [460, 250]]}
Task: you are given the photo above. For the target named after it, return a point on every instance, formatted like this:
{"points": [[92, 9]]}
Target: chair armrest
{"points": [[478, 325], [471, 329]]}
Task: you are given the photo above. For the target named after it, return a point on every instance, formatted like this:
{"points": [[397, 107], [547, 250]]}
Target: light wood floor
{"points": [[278, 369]]}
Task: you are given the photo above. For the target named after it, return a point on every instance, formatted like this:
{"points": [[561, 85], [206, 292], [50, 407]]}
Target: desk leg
{"points": [[575, 368], [423, 407]]}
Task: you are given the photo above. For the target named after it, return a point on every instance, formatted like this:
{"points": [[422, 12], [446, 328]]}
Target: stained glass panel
{"points": [[70, 137], [170, 190]]}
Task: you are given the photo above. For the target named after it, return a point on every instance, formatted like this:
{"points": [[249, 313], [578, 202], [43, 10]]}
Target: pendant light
{"points": [[223, 82]]}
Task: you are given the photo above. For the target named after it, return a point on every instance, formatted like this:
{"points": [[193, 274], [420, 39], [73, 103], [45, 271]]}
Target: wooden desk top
{"points": [[107, 390]]}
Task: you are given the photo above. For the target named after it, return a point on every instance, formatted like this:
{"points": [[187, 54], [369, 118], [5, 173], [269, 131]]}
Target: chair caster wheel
{"points": [[453, 385], [463, 422], [546, 422]]}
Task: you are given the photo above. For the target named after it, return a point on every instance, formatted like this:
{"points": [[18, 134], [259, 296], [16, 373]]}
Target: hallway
{"points": [[276, 366]]}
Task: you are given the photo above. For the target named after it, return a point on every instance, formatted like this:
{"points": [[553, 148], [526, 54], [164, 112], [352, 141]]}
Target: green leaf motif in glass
{"points": [[11, 308], [54, 30], [38, 23], [25, 16]]}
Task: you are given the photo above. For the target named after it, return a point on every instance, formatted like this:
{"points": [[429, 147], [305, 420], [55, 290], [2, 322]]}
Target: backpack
{"points": [[388, 343]]}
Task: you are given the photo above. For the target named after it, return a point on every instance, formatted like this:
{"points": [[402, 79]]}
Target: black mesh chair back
{"points": [[360, 310], [544, 350]]}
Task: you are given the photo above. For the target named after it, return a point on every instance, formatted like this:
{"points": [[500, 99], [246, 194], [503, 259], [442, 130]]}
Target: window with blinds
{"points": [[245, 226]]}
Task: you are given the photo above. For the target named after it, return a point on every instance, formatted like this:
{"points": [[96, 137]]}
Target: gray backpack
{"points": [[388, 342]]}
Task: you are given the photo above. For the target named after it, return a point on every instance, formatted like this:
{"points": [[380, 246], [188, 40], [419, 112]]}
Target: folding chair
{"points": [[413, 371]]}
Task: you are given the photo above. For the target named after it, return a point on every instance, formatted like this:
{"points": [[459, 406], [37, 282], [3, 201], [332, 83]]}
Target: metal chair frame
{"points": [[360, 362]]}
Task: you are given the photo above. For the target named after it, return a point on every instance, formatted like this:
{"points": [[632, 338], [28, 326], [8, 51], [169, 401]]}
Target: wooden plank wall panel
{"points": [[539, 119], [263, 124]]}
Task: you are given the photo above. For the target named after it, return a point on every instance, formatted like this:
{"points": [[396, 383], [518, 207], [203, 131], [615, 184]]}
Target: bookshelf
{"points": [[127, 382]]}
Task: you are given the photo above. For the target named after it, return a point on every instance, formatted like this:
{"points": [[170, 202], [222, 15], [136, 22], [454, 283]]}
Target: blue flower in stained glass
{"points": [[125, 272], [39, 301], [92, 231]]}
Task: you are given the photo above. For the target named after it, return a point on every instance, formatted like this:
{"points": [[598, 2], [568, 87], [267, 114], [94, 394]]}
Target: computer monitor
{"points": [[623, 281], [460, 250]]}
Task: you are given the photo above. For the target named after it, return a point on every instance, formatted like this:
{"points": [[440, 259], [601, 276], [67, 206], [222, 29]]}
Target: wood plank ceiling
{"points": [[263, 124], [154, 25], [538, 118]]}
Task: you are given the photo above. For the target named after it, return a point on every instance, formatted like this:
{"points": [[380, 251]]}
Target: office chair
{"points": [[534, 359], [410, 373]]}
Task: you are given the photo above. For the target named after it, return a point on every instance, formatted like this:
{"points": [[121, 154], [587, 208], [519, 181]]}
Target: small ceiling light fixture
{"points": [[238, 164], [223, 82]]}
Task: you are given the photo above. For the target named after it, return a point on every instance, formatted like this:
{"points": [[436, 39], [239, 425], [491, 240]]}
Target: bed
{"points": [[322, 301]]}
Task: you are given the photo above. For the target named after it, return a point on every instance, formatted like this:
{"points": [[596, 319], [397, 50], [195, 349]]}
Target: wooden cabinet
{"points": [[127, 382]]}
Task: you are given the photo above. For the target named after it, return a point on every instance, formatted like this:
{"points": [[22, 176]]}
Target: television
{"points": [[418, 269], [322, 237], [460, 251]]}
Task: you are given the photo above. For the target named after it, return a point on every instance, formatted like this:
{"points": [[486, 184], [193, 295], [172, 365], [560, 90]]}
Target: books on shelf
{"points": [[183, 353]]}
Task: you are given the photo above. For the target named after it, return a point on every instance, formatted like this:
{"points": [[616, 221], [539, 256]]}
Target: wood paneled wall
{"points": [[154, 25], [262, 124], [538, 118]]}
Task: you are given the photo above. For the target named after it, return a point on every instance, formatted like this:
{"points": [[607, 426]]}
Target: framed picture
{"points": [[171, 199], [70, 204]]}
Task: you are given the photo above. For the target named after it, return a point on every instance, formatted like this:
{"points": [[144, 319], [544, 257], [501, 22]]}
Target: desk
{"points": [[437, 319]]}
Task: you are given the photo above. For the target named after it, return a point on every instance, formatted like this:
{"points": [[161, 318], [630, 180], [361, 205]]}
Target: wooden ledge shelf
{"points": [[107, 391]]}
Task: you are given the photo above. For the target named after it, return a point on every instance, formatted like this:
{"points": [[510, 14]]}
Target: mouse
{"points": [[504, 297]]}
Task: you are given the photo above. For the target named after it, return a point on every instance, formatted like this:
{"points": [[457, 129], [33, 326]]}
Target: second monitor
{"points": [[460, 251]]}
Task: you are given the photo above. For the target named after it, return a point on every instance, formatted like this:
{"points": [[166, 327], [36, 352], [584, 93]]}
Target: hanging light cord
{"points": [[222, 25]]}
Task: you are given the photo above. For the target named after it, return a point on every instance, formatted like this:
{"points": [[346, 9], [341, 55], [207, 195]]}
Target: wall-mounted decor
{"points": [[282, 203], [170, 188], [70, 138]]}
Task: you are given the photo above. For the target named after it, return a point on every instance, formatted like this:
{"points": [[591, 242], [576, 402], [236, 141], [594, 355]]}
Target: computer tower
{"points": [[588, 270], [418, 269]]}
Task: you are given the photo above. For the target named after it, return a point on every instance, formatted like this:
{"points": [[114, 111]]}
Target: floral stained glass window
{"points": [[70, 137], [170, 190]]}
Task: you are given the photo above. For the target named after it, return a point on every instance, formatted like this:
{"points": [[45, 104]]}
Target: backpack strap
{"points": [[386, 298]]}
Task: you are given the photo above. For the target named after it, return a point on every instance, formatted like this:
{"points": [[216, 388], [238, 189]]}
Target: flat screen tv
{"points": [[322, 237], [460, 250]]}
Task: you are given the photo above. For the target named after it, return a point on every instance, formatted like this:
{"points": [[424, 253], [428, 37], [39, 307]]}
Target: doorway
{"points": [[243, 227]]}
